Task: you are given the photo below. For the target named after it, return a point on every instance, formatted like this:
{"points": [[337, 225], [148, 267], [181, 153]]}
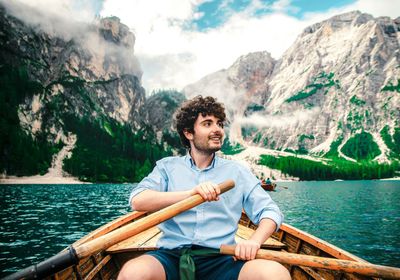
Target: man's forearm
{"points": [[247, 249], [151, 201], [265, 229]]}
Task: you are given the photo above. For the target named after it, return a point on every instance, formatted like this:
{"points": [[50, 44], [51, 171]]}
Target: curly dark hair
{"points": [[187, 114]]}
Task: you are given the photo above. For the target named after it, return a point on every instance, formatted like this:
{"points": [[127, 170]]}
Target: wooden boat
{"points": [[106, 262], [268, 187]]}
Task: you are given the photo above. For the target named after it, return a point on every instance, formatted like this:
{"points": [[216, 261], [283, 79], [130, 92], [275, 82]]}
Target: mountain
{"points": [[72, 101], [68, 84], [334, 93]]}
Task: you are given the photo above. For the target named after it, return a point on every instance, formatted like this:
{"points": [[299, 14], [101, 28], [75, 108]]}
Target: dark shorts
{"points": [[215, 267]]}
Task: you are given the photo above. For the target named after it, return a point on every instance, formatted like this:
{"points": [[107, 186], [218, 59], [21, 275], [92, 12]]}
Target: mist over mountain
{"points": [[335, 91]]}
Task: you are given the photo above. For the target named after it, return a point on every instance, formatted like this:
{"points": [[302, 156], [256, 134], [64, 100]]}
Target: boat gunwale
{"points": [[321, 244], [110, 226]]}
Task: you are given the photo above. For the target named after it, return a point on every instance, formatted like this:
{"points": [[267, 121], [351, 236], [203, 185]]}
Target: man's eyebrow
{"points": [[207, 120]]}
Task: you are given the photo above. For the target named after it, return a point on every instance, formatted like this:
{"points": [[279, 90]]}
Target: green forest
{"points": [[361, 147], [335, 169], [109, 152], [105, 151], [21, 154]]}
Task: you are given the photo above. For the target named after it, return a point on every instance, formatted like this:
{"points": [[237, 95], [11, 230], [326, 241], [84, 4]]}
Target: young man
{"points": [[195, 235]]}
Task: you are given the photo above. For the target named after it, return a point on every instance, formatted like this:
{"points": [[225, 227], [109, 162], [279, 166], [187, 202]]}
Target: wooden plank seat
{"points": [[147, 240], [144, 241], [271, 243]]}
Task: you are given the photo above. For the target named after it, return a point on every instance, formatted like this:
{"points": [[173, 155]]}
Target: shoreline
{"points": [[43, 179], [39, 179]]}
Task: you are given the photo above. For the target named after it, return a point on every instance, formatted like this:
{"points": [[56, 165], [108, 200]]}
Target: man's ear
{"points": [[188, 135]]}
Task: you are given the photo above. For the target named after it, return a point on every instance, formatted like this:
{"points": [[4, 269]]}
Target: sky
{"points": [[180, 41]]}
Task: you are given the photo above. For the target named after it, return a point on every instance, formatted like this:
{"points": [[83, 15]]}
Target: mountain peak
{"points": [[114, 31], [354, 18]]}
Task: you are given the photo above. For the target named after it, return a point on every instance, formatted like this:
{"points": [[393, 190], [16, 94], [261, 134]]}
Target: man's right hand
{"points": [[209, 191]]}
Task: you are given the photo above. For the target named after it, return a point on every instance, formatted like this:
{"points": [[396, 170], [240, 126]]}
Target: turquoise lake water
{"points": [[37, 221]]}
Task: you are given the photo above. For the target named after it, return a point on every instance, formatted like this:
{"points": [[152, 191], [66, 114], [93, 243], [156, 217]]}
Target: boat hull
{"points": [[269, 187], [107, 263]]}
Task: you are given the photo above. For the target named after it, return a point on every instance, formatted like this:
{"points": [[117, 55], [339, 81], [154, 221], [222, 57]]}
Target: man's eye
{"points": [[221, 125]]}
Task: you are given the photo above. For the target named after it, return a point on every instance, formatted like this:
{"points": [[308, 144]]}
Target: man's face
{"points": [[208, 134]]}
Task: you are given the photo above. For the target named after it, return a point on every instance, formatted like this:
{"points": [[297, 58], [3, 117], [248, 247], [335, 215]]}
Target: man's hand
{"points": [[209, 191], [246, 250]]}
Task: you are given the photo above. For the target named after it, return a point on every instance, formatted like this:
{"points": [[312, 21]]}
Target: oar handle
{"points": [[367, 269], [106, 241], [226, 186]]}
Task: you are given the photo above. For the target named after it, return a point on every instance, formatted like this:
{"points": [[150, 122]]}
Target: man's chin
{"points": [[212, 150], [215, 148], [209, 149]]}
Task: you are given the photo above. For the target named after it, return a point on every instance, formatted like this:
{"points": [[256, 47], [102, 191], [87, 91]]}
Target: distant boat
{"points": [[268, 187]]}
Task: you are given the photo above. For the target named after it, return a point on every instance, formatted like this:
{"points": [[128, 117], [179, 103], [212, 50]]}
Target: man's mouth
{"points": [[216, 138]]}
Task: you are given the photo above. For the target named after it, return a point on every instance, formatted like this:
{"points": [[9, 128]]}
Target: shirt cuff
{"points": [[134, 193], [277, 218]]}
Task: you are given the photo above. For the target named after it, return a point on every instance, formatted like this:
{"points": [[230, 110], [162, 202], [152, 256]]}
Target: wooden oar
{"points": [[74, 254], [367, 269]]}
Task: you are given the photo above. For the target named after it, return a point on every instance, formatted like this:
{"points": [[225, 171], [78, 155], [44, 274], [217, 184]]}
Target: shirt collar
{"points": [[190, 162]]}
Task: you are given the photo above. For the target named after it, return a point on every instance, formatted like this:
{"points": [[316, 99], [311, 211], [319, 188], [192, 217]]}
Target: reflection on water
{"points": [[38, 221]]}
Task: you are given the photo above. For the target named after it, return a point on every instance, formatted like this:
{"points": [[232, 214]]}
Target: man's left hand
{"points": [[246, 250]]}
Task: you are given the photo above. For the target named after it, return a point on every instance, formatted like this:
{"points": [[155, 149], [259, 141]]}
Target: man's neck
{"points": [[201, 160]]}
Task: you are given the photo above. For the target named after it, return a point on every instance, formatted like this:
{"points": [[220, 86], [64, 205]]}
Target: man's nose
{"points": [[217, 127]]}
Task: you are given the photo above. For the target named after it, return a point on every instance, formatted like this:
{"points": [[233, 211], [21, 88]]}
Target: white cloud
{"points": [[173, 55], [60, 18], [71, 10], [162, 39], [164, 45], [279, 121], [72, 19]]}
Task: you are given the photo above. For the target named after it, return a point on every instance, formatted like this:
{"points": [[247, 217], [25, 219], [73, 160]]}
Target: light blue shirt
{"points": [[209, 224]]}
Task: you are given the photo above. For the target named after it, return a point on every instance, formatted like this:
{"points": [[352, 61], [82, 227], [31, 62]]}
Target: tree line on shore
{"points": [[334, 169]]}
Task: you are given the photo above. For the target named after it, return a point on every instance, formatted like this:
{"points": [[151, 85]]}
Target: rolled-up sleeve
{"points": [[156, 181], [259, 205]]}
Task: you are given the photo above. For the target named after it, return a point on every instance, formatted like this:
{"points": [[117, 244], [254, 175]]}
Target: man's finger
{"points": [[248, 252], [211, 190], [253, 253], [237, 252], [206, 190], [203, 192]]}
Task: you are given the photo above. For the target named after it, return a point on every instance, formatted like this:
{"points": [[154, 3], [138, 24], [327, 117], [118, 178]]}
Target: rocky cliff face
{"points": [[238, 85], [339, 80], [93, 72], [159, 108], [63, 80]]}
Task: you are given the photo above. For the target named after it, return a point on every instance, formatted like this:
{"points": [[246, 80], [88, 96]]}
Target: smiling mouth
{"points": [[215, 139]]}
